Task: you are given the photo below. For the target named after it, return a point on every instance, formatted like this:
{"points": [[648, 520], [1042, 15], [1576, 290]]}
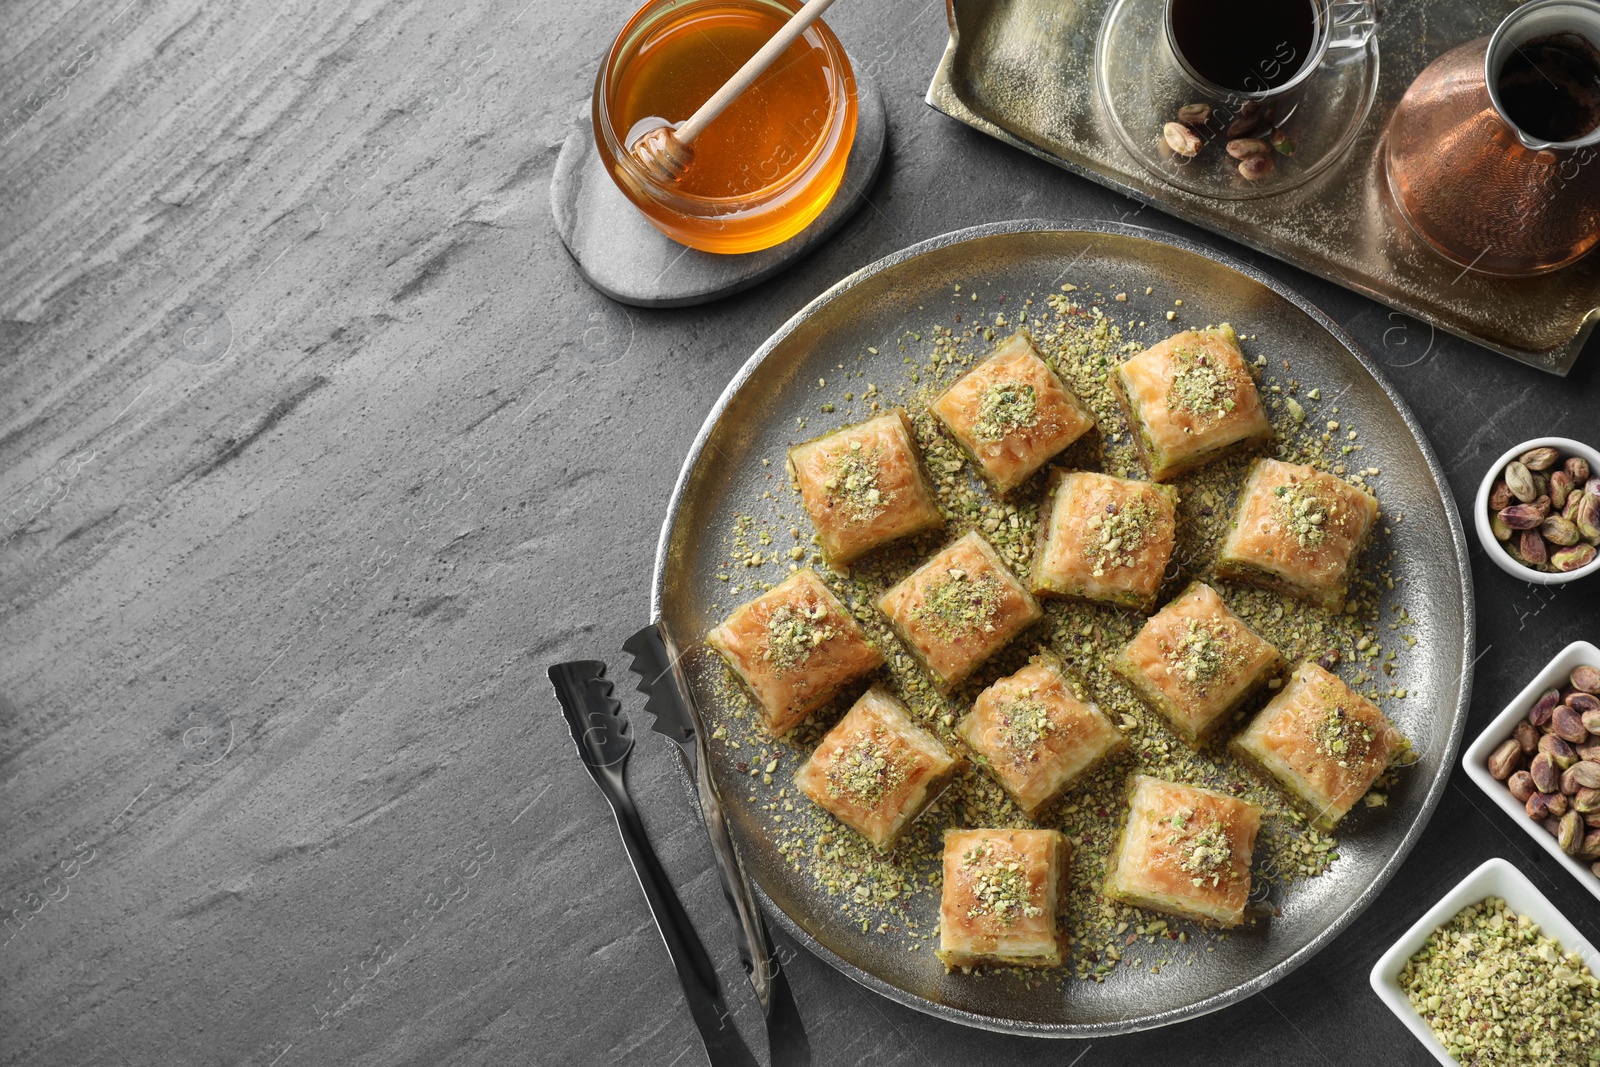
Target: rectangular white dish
{"points": [[1495, 878], [1475, 761]]}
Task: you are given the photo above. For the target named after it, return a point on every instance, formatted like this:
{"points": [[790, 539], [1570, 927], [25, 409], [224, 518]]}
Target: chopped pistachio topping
{"points": [[958, 604], [1299, 510], [864, 771], [793, 633], [852, 483], [1005, 408], [1205, 851], [1027, 723], [1202, 654], [1199, 386], [1000, 887], [1342, 737], [1115, 536], [1497, 991]]}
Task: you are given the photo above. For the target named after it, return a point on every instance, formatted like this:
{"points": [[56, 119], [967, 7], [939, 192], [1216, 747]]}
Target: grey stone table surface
{"points": [[315, 450]]}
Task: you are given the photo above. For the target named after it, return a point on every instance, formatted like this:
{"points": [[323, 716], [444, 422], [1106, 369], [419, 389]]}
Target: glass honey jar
{"points": [[764, 168]]}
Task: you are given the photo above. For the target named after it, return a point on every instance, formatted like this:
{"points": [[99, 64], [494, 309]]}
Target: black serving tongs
{"points": [[604, 740], [661, 680]]}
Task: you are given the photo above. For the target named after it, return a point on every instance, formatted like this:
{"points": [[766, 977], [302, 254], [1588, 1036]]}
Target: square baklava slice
{"points": [[959, 608], [1032, 733], [1011, 413], [1324, 743], [999, 901], [864, 486], [1299, 531], [795, 648], [1105, 538], [1190, 399], [876, 769], [1185, 851], [1196, 662]]}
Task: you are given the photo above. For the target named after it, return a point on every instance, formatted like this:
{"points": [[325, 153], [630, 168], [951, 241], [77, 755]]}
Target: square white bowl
{"points": [[1496, 878], [1476, 759]]}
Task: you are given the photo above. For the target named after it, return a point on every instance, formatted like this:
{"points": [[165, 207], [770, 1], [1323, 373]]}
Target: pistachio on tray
{"points": [[1551, 762], [1544, 509]]}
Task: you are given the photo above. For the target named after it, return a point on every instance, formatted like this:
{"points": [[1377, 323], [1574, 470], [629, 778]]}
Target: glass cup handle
{"points": [[1351, 23]]}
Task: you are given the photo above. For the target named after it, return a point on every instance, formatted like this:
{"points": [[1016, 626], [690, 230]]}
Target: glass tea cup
{"points": [[1249, 63]]}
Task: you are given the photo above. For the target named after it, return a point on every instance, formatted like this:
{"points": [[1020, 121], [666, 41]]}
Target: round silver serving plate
{"points": [[755, 418]]}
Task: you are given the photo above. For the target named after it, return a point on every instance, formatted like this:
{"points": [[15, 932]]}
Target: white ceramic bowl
{"points": [[1496, 878], [1475, 761], [1480, 511]]}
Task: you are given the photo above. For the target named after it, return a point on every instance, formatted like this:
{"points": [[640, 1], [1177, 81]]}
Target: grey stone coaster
{"points": [[628, 259]]}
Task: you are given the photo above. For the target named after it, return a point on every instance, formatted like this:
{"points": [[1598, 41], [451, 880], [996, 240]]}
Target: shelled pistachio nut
{"points": [[1571, 559], [1585, 679], [1506, 758], [1570, 833], [1520, 481], [1541, 458], [1559, 531], [1522, 787]]}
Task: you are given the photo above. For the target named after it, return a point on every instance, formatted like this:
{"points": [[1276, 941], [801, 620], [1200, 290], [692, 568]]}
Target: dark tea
{"points": [[1550, 87], [1246, 45]]}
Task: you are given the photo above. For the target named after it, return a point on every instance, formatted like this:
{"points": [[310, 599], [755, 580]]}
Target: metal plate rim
{"points": [[1458, 721]]}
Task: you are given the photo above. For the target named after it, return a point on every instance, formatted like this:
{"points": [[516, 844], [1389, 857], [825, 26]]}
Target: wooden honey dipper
{"points": [[665, 152]]}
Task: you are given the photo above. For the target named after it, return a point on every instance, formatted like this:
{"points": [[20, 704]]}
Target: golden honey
{"points": [[769, 164]]}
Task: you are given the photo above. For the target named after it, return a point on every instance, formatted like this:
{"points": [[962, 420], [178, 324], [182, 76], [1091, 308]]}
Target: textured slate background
{"points": [[315, 451]]}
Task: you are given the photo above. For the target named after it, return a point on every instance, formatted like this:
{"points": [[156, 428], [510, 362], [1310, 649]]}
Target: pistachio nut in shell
{"points": [[1571, 559], [1506, 758], [1522, 787], [1585, 679]]}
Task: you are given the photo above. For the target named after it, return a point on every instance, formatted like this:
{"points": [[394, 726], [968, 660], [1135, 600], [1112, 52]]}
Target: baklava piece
{"points": [[999, 901], [864, 486], [1189, 399], [1011, 413], [1033, 734], [1196, 662], [1185, 851], [1298, 531], [794, 648], [1104, 538], [959, 608], [1322, 742], [876, 769]]}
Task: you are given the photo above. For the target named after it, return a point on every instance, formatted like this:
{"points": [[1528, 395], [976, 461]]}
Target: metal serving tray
{"points": [[754, 419], [1023, 71]]}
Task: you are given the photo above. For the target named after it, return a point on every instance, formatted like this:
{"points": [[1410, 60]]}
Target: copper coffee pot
{"points": [[1476, 187]]}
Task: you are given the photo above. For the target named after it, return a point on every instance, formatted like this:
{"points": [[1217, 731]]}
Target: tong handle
{"points": [[755, 947]]}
